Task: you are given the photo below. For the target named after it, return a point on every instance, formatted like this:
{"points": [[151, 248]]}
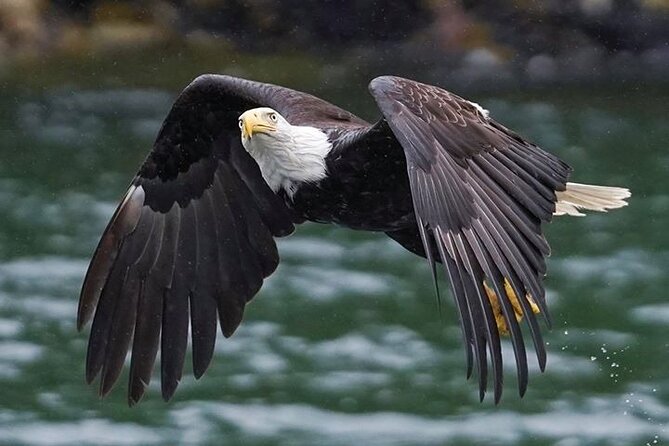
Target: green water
{"points": [[344, 344]]}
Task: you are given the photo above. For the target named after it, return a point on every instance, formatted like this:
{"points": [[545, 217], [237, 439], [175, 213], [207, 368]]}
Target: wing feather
{"points": [[175, 319], [469, 251], [203, 297], [121, 224], [483, 193], [192, 239], [148, 317], [235, 289], [122, 327], [130, 248]]}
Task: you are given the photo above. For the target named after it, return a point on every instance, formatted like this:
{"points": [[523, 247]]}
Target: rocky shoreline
{"points": [[485, 47]]}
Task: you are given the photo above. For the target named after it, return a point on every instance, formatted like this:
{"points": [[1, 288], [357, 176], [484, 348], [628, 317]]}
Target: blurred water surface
{"points": [[343, 345]]}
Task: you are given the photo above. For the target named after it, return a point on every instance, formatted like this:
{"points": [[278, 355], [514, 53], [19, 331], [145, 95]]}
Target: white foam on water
{"points": [[42, 307], [36, 269], [652, 314], [93, 431], [612, 338], [327, 284], [303, 424], [348, 381], [15, 354], [19, 351], [307, 248], [559, 363], [81, 119], [620, 268], [397, 349], [9, 328]]}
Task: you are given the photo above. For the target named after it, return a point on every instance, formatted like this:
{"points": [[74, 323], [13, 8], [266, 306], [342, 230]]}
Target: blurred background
{"points": [[84, 86]]}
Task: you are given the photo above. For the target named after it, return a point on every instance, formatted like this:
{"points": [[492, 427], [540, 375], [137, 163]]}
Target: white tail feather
{"points": [[593, 198]]}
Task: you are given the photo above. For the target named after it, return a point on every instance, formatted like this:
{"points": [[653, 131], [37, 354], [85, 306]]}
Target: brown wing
{"points": [[481, 194], [192, 240]]}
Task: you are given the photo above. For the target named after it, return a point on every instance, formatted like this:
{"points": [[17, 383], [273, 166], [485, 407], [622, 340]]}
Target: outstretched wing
{"points": [[480, 195], [192, 238]]}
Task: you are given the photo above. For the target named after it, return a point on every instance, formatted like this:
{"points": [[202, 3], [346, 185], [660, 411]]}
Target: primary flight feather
{"points": [[238, 163]]}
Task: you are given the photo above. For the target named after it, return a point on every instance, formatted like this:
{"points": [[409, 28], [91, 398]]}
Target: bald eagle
{"points": [[238, 163]]}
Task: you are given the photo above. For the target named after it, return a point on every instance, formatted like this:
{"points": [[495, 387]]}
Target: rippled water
{"points": [[343, 345]]}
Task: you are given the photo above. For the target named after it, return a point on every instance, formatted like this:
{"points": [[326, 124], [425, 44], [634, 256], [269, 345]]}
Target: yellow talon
{"points": [[515, 303]]}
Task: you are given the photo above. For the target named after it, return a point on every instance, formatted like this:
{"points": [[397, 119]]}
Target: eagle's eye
{"points": [[241, 123], [273, 117]]}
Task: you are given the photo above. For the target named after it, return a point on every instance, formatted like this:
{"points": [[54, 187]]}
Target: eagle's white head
{"points": [[286, 154]]}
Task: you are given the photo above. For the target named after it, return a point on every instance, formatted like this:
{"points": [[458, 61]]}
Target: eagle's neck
{"points": [[290, 156]]}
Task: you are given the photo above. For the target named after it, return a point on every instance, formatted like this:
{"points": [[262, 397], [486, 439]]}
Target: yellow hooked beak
{"points": [[252, 123]]}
